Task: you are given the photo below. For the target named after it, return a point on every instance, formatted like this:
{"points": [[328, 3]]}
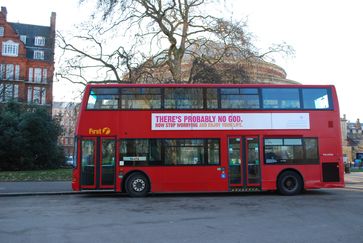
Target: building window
{"points": [[45, 74], [17, 72], [39, 41], [2, 71], [38, 75], [9, 72], [23, 38], [10, 48], [1, 31], [39, 55], [9, 92], [37, 95], [30, 78]]}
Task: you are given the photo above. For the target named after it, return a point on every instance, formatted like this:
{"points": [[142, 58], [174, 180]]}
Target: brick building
{"points": [[26, 61], [68, 112]]}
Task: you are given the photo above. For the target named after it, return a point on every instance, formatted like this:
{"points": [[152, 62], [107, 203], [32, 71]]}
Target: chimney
{"points": [[4, 12], [52, 21], [52, 33], [357, 124]]}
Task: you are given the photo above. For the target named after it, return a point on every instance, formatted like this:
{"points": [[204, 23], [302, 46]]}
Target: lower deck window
{"points": [[291, 151], [139, 152]]}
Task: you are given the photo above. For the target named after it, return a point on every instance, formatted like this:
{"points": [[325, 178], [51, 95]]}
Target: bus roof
{"points": [[184, 85]]}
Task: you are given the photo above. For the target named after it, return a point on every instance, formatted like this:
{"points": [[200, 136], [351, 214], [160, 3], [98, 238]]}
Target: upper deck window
{"points": [[234, 98], [316, 99], [283, 98], [211, 98], [141, 98], [183, 98], [103, 99]]}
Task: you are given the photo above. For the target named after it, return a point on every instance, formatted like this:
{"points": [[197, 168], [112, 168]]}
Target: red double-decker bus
{"points": [[208, 138]]}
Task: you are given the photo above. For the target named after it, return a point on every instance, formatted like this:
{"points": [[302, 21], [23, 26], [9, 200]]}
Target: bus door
{"points": [[98, 156], [244, 163]]}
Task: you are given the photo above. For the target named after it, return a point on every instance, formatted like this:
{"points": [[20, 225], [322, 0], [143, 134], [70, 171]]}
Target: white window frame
{"points": [[2, 31], [10, 48], [38, 55], [39, 41]]}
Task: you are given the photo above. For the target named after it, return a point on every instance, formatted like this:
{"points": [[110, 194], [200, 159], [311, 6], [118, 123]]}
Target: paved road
{"points": [[326, 215], [333, 215], [353, 181]]}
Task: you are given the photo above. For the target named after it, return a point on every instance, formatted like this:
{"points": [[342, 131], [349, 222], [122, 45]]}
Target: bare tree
{"points": [[157, 35]]}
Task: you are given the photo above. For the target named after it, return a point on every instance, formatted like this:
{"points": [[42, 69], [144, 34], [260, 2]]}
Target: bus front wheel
{"points": [[289, 183], [137, 185]]}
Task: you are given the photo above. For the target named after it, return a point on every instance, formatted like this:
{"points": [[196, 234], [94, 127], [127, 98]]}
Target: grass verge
{"points": [[356, 169], [37, 175]]}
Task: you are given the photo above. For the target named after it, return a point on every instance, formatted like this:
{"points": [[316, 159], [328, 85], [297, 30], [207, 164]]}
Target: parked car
{"points": [[69, 160]]}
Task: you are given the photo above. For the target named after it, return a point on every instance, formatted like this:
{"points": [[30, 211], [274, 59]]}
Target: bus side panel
{"points": [[183, 178]]}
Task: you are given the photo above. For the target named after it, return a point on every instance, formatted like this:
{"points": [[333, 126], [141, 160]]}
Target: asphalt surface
{"points": [[321, 216], [353, 181]]}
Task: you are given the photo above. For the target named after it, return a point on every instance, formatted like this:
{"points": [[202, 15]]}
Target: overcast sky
{"points": [[327, 37]]}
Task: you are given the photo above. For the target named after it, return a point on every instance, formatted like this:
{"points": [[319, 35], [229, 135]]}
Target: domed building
{"points": [[205, 66]]}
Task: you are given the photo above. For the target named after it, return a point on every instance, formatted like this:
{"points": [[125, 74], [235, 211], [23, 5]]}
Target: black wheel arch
{"points": [[128, 174]]}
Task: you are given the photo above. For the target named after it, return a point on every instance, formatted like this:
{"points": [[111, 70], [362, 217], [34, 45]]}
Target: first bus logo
{"points": [[99, 131]]}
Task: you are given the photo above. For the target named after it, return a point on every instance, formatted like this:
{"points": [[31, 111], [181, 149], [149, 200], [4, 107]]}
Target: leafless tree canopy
{"points": [[130, 39]]}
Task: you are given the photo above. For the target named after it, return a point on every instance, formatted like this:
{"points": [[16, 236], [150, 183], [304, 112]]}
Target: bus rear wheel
{"points": [[137, 185], [289, 183]]}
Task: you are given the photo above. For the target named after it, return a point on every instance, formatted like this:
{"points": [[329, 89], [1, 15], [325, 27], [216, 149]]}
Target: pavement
{"points": [[353, 181], [35, 188]]}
